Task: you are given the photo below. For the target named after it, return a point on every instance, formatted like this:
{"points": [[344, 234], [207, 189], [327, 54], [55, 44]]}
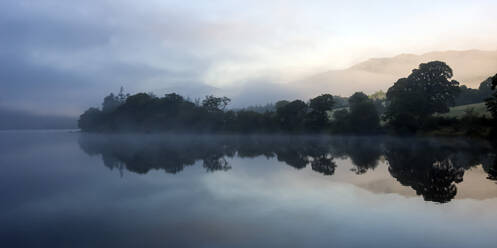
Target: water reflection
{"points": [[234, 191], [489, 164], [434, 168], [431, 167]]}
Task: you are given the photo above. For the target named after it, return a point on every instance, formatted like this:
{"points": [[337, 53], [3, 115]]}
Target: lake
{"points": [[71, 189]]}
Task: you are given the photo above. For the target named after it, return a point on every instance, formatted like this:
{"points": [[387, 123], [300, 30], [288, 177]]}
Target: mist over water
{"points": [[70, 189], [221, 124]]}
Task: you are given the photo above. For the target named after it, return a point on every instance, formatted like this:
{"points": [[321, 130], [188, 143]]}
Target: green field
{"points": [[479, 109]]}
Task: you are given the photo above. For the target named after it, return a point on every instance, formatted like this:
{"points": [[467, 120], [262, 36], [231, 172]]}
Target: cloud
{"points": [[62, 62], [259, 92], [62, 57]]}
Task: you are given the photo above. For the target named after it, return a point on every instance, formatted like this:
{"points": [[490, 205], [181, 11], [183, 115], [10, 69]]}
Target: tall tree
{"points": [[317, 118], [111, 102], [291, 116], [322, 103], [214, 104], [363, 117], [427, 90]]}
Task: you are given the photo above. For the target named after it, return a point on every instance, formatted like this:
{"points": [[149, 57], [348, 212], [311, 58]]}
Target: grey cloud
{"points": [[46, 89], [63, 57]]}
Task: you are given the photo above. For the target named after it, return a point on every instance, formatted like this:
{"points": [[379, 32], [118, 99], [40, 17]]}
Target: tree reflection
{"points": [[364, 152], [293, 155], [432, 168], [141, 156], [324, 164], [490, 167]]}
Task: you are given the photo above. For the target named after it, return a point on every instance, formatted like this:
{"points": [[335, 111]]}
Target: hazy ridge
{"points": [[470, 67]]}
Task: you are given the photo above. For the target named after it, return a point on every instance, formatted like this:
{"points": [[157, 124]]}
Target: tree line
{"points": [[407, 107]]}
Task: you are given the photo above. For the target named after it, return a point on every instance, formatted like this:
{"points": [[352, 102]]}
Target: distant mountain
{"points": [[470, 68], [14, 119]]}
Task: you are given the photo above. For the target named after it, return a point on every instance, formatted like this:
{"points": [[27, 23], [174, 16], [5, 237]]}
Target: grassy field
{"points": [[479, 109]]}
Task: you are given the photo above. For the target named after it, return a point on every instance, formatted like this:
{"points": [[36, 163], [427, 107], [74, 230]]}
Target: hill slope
{"points": [[479, 109], [470, 68]]}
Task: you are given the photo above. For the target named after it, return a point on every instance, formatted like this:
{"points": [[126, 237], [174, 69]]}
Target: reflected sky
{"points": [[66, 189]]}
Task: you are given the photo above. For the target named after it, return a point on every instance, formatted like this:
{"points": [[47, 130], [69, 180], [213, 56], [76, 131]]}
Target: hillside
{"points": [[459, 111], [470, 68]]}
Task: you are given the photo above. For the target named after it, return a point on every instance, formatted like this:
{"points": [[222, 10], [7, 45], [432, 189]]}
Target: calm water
{"points": [[67, 189]]}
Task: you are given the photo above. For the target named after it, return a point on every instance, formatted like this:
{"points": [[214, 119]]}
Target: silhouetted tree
{"points": [[492, 102], [121, 97], [425, 91], [340, 121], [317, 119], [322, 103], [110, 103], [248, 121], [410, 102], [90, 120], [212, 103], [280, 104], [291, 116], [363, 117], [470, 96]]}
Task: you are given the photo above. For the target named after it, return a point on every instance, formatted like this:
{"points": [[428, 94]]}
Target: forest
{"points": [[412, 105]]}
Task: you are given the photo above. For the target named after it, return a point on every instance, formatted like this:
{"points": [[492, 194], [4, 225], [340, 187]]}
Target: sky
{"points": [[61, 57]]}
